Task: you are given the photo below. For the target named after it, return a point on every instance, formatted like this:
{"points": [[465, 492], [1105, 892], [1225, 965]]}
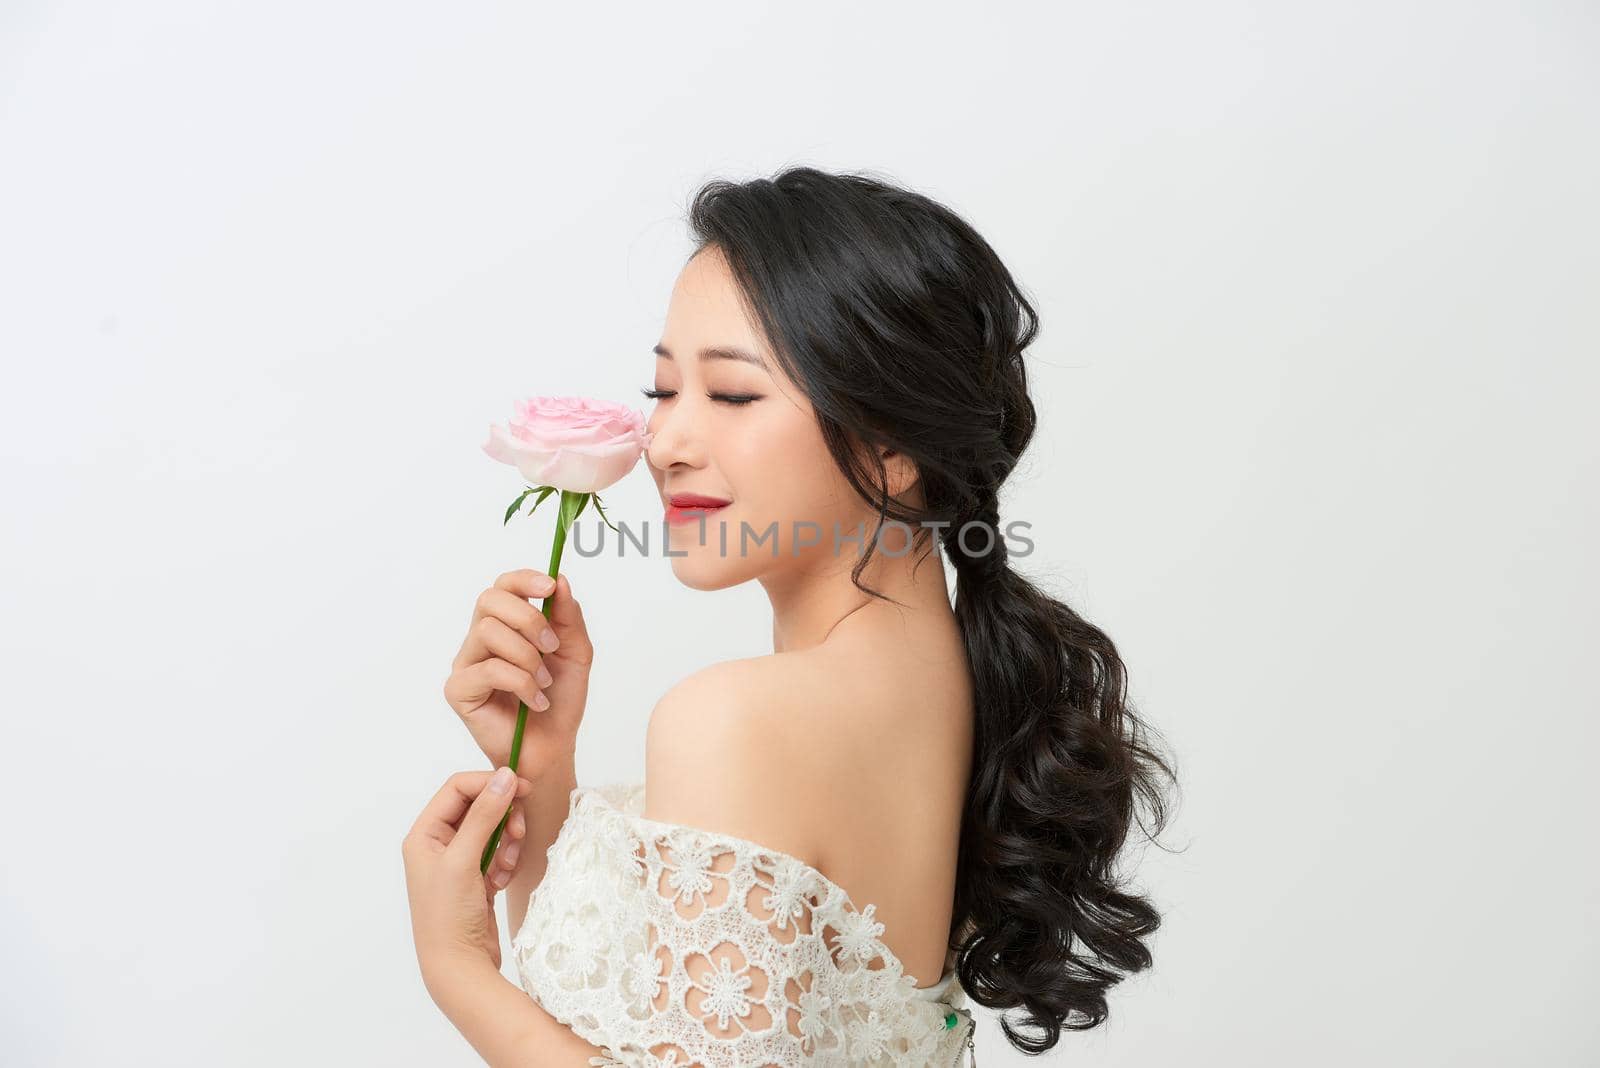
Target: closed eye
{"points": [[724, 398]]}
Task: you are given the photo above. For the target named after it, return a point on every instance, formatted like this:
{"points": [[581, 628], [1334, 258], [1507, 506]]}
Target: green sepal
{"points": [[542, 491], [511, 511], [603, 515]]}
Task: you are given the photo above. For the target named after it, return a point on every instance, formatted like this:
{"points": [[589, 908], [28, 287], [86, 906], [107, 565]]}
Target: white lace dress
{"points": [[666, 944]]}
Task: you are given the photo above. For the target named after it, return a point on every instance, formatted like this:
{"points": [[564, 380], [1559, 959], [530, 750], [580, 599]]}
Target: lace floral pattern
{"points": [[669, 945]]}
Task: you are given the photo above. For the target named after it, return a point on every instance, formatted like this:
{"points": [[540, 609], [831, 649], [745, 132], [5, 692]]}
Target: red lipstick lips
{"points": [[689, 507]]}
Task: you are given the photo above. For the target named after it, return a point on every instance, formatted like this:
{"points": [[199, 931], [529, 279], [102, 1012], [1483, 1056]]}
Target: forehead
{"points": [[708, 311]]}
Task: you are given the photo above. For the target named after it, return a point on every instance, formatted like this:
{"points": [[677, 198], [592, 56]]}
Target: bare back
{"points": [[894, 702]]}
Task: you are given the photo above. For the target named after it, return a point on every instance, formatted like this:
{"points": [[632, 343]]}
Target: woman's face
{"points": [[744, 433]]}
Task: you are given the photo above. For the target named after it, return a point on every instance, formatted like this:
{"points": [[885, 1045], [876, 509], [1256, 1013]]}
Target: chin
{"points": [[708, 572], [705, 566]]}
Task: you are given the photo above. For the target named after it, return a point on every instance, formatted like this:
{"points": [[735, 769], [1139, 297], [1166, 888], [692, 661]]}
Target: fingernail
{"points": [[545, 585], [500, 782], [511, 854], [541, 702], [544, 676], [548, 639], [501, 877]]}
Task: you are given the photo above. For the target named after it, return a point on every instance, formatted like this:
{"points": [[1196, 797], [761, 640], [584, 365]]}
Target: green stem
{"points": [[571, 504]]}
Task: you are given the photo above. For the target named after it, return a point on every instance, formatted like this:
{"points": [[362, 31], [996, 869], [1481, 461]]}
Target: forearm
{"points": [[545, 811], [507, 1027]]}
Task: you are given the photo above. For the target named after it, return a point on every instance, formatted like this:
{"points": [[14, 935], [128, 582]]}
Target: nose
{"points": [[674, 440]]}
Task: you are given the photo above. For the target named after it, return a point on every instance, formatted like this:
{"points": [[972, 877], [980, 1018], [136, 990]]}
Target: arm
{"points": [[544, 810], [713, 721], [506, 1027], [723, 758]]}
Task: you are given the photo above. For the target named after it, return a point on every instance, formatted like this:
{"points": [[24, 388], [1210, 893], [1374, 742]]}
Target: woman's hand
{"points": [[512, 651], [452, 905]]}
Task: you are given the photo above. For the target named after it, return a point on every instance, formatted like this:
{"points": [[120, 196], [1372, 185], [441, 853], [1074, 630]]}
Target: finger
{"points": [[566, 617], [490, 889], [512, 608], [484, 813], [492, 637], [523, 585], [504, 865], [526, 582], [506, 862], [509, 590], [565, 611], [471, 686], [442, 815]]}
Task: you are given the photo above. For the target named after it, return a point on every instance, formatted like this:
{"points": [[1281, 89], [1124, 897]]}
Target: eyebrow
{"points": [[718, 352]]}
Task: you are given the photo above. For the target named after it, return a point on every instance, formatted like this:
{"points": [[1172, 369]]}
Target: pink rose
{"points": [[572, 443]]}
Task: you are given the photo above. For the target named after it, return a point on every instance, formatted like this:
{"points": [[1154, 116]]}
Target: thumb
{"points": [[484, 814], [566, 617]]}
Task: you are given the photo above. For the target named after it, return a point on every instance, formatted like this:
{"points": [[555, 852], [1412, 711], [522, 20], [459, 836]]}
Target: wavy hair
{"points": [[906, 332]]}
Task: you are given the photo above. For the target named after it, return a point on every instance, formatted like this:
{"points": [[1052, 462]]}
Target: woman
{"points": [[935, 796]]}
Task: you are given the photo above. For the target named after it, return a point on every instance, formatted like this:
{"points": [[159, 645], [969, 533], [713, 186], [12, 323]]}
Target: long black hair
{"points": [[906, 332]]}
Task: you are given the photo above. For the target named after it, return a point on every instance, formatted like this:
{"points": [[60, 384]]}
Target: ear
{"points": [[900, 473]]}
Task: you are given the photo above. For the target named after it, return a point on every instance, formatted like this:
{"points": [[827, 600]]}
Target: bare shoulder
{"points": [[851, 756], [792, 743], [724, 751]]}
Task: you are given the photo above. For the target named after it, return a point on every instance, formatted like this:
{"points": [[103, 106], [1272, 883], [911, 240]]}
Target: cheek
{"points": [[786, 471]]}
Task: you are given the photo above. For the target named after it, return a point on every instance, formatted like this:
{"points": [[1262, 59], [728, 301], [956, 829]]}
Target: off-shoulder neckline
{"points": [[930, 992]]}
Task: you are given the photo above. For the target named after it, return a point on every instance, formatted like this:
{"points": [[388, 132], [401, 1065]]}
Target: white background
{"points": [[1317, 376]]}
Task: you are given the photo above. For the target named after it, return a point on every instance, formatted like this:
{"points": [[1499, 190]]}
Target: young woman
{"points": [[906, 803]]}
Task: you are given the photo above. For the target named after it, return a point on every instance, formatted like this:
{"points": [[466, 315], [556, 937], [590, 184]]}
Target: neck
{"points": [[810, 600]]}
